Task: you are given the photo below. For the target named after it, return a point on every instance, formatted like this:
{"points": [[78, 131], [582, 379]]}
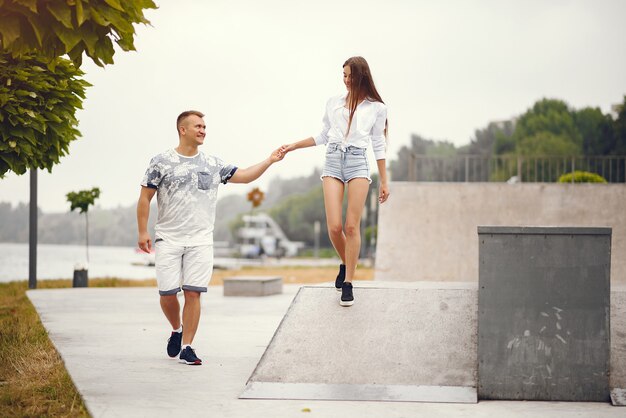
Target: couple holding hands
{"points": [[186, 180]]}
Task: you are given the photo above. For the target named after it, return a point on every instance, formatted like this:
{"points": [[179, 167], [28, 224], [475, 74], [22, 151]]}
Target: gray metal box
{"points": [[543, 313]]}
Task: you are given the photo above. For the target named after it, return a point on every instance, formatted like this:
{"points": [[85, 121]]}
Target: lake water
{"points": [[58, 261]]}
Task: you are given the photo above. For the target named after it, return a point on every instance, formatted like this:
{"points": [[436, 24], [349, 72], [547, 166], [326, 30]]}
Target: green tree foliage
{"points": [[485, 143], [296, 215], [596, 130], [37, 111], [117, 226], [548, 120], [551, 128], [491, 139], [485, 140], [279, 188], [54, 28], [545, 143], [399, 168], [81, 200], [619, 130], [39, 90]]}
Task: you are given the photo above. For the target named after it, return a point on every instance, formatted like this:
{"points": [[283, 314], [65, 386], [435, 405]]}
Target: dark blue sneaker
{"points": [[347, 299], [341, 277], [174, 343], [188, 356]]}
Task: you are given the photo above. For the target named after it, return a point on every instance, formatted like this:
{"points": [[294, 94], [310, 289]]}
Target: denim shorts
{"points": [[346, 163]]}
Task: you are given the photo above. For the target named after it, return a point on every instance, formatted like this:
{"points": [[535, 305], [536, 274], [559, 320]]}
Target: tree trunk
{"points": [[87, 236], [32, 231]]}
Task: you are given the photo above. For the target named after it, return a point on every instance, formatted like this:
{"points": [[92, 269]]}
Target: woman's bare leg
{"points": [[333, 202], [357, 193]]}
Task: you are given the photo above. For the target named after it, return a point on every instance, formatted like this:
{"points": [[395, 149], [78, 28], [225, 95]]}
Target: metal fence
{"points": [[476, 168]]}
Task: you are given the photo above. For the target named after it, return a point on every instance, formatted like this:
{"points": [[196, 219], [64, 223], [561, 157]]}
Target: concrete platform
{"points": [[393, 345], [112, 341], [253, 285]]}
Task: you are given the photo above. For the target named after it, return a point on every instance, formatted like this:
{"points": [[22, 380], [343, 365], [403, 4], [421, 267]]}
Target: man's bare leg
{"points": [[171, 309], [191, 315]]}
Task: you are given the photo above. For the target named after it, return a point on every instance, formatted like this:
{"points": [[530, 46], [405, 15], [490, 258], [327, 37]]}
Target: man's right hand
{"points": [[284, 149], [145, 243]]}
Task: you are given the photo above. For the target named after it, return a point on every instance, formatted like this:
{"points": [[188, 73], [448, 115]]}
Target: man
{"points": [[186, 181]]}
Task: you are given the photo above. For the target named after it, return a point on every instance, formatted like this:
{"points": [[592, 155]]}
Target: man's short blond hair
{"points": [[185, 115]]}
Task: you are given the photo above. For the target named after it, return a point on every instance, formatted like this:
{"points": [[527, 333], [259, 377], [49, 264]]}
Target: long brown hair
{"points": [[361, 86]]}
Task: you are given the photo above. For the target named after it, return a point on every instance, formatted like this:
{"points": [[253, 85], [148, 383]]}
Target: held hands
{"points": [[277, 155], [287, 148]]}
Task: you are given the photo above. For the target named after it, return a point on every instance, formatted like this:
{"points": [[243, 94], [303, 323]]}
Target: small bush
{"points": [[581, 177]]}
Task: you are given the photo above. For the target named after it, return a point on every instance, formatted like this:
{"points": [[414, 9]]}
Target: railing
{"points": [[476, 168]]}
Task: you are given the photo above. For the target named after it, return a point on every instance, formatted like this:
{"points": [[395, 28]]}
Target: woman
{"points": [[352, 121]]}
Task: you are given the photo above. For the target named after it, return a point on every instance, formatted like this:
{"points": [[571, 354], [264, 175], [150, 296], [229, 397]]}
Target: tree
{"points": [[81, 200], [54, 28], [39, 90], [485, 140], [419, 146], [37, 111], [297, 214], [547, 119], [544, 143], [279, 188], [619, 130], [619, 139], [596, 130]]}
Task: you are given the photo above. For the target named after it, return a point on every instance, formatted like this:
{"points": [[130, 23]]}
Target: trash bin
{"points": [[80, 276]]}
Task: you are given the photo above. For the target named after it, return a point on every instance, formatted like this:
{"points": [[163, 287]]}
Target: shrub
{"points": [[581, 177]]}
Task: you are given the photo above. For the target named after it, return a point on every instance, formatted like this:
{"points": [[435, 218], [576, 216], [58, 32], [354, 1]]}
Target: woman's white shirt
{"points": [[368, 125]]}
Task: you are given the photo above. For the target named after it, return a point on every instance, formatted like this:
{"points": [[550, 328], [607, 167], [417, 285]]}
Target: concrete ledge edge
{"points": [[365, 392]]}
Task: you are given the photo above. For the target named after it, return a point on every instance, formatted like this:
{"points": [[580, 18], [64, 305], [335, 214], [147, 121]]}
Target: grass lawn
{"points": [[33, 379]]}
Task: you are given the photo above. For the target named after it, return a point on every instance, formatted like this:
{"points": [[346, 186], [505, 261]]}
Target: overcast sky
{"points": [[262, 71]]}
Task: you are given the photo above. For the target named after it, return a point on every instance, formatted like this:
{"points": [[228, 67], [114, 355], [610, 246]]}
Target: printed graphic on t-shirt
{"points": [[186, 195]]}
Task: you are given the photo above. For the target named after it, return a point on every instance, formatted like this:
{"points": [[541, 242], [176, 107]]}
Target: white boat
{"points": [[261, 235]]}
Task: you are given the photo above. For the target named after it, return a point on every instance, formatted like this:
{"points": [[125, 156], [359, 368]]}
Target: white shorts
{"points": [[189, 268]]}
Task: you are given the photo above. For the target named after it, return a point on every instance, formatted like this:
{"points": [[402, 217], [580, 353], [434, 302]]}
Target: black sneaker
{"points": [[346, 295], [340, 277], [188, 356], [173, 344]]}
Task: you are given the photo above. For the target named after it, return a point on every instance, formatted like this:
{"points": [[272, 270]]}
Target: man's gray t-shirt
{"points": [[186, 195]]}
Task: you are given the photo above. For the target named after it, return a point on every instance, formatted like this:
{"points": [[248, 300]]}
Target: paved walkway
{"points": [[113, 343]]}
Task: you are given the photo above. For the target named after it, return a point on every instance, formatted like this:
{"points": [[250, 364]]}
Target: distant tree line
{"points": [[116, 227], [549, 128], [106, 227]]}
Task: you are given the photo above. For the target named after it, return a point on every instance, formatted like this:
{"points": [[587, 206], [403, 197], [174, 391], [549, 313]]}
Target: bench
{"points": [[253, 285]]}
